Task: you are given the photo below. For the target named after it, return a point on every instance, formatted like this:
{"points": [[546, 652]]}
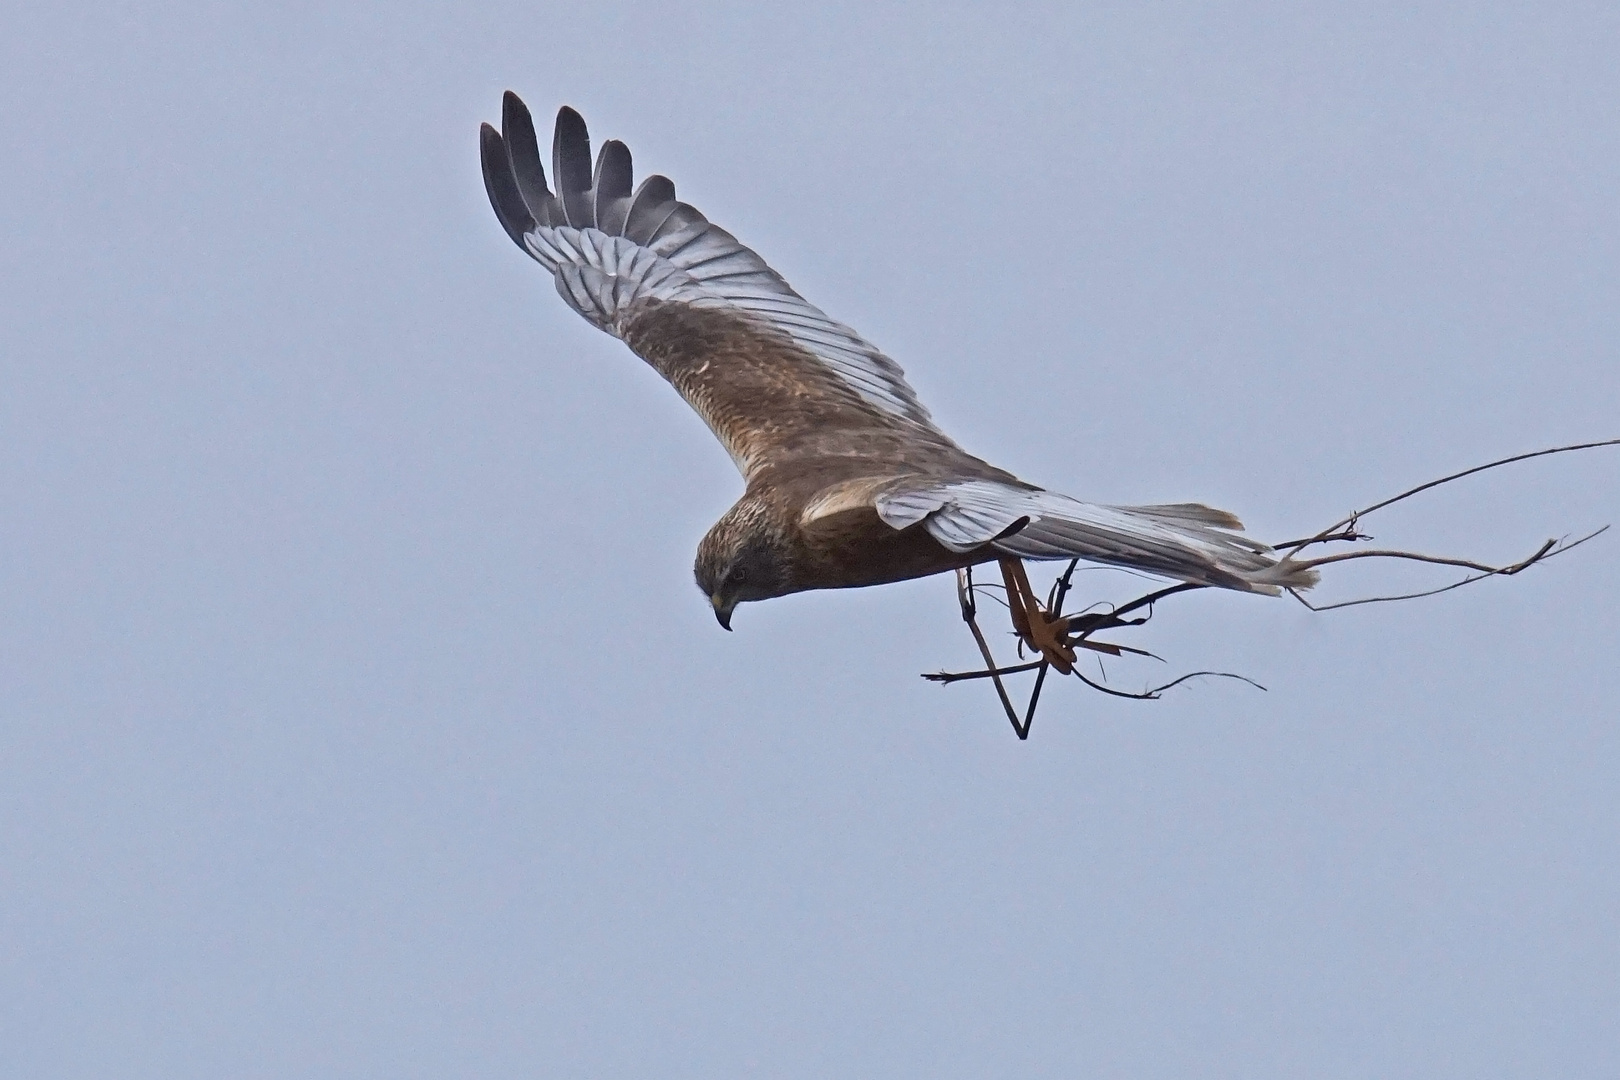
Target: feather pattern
{"points": [[595, 229]]}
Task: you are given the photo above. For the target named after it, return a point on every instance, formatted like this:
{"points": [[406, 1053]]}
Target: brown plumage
{"points": [[849, 483]]}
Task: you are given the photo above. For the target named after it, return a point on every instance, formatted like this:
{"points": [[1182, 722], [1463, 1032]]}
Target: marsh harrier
{"points": [[848, 481]]}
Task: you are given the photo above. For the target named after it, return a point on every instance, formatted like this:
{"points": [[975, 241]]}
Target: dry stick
{"points": [[1348, 535], [1438, 560], [1093, 623], [965, 596], [1348, 526], [1148, 601], [945, 678], [1158, 691], [964, 593], [1341, 531], [1547, 551], [1331, 533], [1112, 619], [1102, 621]]}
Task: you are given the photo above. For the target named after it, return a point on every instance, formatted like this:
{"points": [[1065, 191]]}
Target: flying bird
{"points": [[848, 481]]}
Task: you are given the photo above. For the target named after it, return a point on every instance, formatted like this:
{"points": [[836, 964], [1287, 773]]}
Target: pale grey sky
{"points": [[358, 714]]}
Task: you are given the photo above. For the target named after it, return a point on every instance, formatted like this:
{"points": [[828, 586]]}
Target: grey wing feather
{"points": [[609, 247], [1184, 541], [571, 164], [523, 156], [501, 185], [611, 187], [650, 207]]}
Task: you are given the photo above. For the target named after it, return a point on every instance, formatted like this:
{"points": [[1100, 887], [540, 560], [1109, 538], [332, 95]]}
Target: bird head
{"points": [[744, 557]]}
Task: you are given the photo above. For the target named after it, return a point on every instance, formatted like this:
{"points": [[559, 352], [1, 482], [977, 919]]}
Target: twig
{"points": [[1087, 623], [1060, 588], [964, 592], [1348, 535], [1438, 560], [1547, 551], [945, 678], [1331, 533], [1145, 601], [1056, 636], [1158, 691]]}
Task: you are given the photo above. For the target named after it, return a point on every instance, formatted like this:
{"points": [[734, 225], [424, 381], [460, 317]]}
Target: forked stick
{"points": [[1547, 551], [1055, 636]]}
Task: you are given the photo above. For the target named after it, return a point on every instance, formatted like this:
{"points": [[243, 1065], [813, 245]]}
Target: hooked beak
{"points": [[722, 611]]}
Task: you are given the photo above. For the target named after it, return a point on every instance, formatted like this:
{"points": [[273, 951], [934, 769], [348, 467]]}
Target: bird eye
{"points": [[739, 576]]}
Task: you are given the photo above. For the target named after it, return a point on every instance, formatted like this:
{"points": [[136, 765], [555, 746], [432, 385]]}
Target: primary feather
{"points": [[610, 248]]}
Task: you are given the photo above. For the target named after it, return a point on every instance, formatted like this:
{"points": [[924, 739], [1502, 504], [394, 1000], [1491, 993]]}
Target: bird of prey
{"points": [[848, 480]]}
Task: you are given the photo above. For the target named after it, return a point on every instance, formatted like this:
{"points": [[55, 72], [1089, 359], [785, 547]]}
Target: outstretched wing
{"points": [[1185, 541], [768, 371]]}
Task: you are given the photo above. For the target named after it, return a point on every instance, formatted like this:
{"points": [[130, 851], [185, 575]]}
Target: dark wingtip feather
{"points": [[652, 203], [571, 166], [611, 187], [523, 152], [502, 187], [613, 175]]}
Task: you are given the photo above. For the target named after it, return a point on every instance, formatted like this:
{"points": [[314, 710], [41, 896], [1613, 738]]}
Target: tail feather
{"points": [[1285, 574], [1197, 513], [1183, 541]]}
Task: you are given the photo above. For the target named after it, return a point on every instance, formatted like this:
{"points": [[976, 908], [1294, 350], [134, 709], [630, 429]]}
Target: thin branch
{"points": [[1058, 635], [1103, 647], [1547, 551], [964, 592], [1041, 669], [1060, 588], [1090, 623], [1158, 691], [947, 677], [1154, 597], [1108, 648], [1438, 560], [1328, 534], [1346, 536], [1110, 619]]}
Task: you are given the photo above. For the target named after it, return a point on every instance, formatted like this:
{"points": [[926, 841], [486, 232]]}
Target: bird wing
{"points": [[769, 372], [1184, 541]]}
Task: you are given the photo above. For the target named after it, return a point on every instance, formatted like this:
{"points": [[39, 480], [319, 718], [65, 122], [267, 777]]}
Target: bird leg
{"points": [[1036, 627]]}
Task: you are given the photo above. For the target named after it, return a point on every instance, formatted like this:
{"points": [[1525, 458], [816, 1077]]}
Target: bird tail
{"points": [[1285, 573], [1183, 541], [1219, 535]]}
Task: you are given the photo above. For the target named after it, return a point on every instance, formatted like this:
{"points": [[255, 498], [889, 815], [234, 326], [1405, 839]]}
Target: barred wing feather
{"points": [[610, 246]]}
